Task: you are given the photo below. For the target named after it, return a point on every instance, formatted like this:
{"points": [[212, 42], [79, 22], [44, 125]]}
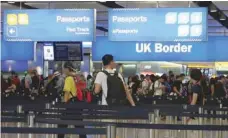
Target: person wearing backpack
{"points": [[111, 84]]}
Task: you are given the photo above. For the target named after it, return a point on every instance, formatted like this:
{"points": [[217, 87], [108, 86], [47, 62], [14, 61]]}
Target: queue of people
{"points": [[108, 87], [174, 85]]}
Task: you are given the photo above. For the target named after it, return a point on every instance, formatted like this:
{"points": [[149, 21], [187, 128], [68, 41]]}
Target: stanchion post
{"points": [[157, 119], [152, 121], [184, 134], [19, 124], [47, 106], [212, 123], [111, 131], [220, 122], [184, 122], [170, 122], [31, 121], [200, 133]]}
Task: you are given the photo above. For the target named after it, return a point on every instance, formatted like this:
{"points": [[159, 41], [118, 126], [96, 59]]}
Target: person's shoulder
{"points": [[101, 75], [69, 78], [120, 75]]}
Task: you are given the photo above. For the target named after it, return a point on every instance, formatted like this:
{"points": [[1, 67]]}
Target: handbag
{"points": [[73, 99]]}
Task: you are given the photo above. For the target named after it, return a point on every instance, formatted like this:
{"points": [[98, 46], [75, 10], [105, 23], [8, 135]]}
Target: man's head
{"points": [[196, 74], [68, 68], [222, 79], [163, 78], [170, 73], [108, 61], [181, 77], [147, 77], [142, 77]]}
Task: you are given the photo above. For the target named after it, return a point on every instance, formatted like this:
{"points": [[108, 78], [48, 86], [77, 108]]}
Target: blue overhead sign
{"points": [[158, 24], [215, 49], [49, 25], [17, 50]]}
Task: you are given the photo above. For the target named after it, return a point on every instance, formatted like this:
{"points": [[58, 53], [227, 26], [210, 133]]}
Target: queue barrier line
{"points": [[138, 114], [123, 125], [145, 117], [89, 112], [183, 107], [136, 125], [88, 115], [79, 131], [7, 119], [94, 106]]}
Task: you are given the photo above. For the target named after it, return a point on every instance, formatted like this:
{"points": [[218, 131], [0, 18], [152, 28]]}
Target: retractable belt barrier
{"points": [[92, 115]]}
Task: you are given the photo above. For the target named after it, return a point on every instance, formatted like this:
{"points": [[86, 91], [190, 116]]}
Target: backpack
{"points": [[116, 91], [83, 95], [151, 91]]}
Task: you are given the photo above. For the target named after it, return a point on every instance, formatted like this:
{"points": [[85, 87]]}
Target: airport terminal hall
{"points": [[114, 69]]}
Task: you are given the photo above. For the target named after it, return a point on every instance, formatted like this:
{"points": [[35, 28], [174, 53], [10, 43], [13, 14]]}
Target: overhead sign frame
{"points": [[50, 25], [158, 24]]}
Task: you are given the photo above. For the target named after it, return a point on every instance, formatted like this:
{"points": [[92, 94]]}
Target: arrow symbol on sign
{"points": [[12, 31]]}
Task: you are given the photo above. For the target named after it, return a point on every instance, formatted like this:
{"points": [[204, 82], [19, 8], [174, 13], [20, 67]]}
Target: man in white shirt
{"points": [[102, 84], [146, 84], [159, 88]]}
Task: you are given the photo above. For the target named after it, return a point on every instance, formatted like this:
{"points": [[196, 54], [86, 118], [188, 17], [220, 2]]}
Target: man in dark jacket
{"points": [[220, 90]]}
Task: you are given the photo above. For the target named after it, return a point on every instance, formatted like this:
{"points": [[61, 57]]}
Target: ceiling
{"points": [[214, 27]]}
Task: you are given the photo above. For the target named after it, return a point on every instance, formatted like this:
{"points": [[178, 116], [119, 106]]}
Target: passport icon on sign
{"points": [[23, 19], [12, 19]]}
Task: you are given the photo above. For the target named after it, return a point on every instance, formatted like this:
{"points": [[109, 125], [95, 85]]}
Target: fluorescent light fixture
{"points": [[10, 61], [102, 1], [222, 18], [11, 2], [130, 65], [87, 44], [212, 8], [147, 67]]}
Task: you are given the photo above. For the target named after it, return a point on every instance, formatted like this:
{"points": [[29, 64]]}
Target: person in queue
{"points": [[111, 84], [135, 88], [220, 89], [89, 81], [15, 79], [129, 82], [59, 84], [142, 77], [212, 86], [70, 91], [197, 90], [159, 88], [177, 85], [145, 84], [28, 82], [35, 80]]}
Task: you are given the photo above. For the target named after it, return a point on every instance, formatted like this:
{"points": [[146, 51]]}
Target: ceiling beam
{"points": [[25, 6], [110, 4], [216, 15], [22, 5]]}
